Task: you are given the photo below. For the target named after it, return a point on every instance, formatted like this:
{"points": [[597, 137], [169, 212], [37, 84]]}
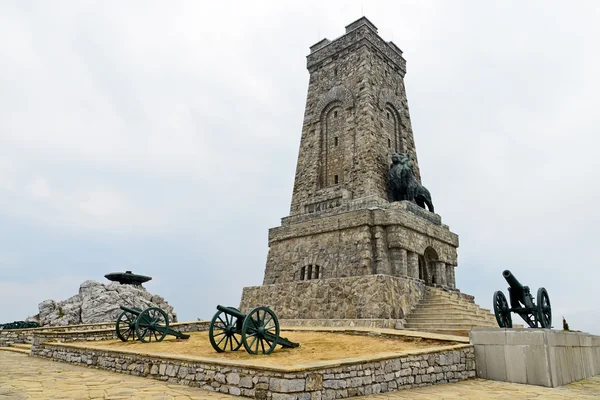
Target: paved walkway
{"points": [[23, 377]]}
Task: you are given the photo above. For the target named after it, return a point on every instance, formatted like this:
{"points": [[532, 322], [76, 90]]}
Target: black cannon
{"points": [[145, 324], [521, 302], [20, 325], [257, 331]]}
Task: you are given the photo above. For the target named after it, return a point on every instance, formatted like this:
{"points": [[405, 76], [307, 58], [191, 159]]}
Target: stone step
{"points": [[25, 346], [445, 295], [456, 332], [15, 350], [442, 307], [446, 298], [438, 320], [452, 304], [451, 325], [438, 299], [452, 312]]}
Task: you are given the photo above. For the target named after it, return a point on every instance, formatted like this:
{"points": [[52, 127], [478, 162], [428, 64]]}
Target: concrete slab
{"points": [[555, 369], [536, 362], [525, 337], [585, 340], [496, 364], [572, 339], [480, 361], [565, 368], [493, 336], [516, 370], [536, 356], [554, 338]]}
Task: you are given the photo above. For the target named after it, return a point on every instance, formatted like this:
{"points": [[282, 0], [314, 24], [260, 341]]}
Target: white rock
{"points": [[97, 302]]}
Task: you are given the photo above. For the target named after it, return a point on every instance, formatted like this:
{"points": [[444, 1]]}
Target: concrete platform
{"points": [[541, 357]]}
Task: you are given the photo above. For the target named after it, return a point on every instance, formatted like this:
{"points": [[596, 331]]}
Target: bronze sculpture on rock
{"points": [[403, 185]]}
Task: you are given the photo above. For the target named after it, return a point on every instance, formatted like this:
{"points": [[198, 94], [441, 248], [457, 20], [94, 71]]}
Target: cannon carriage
{"points": [[258, 331], [522, 303], [151, 324]]}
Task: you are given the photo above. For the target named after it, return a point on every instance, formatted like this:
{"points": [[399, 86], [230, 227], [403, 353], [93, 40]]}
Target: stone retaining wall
{"points": [[339, 380], [10, 336], [356, 297], [344, 323], [75, 333]]}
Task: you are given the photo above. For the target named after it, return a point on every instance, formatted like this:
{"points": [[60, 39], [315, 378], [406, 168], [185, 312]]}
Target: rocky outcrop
{"points": [[97, 302]]}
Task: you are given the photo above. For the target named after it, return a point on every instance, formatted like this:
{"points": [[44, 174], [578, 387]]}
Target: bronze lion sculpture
{"points": [[403, 185]]}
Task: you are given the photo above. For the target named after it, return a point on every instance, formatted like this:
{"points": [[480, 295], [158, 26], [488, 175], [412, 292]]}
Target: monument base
{"points": [[542, 357], [356, 297]]}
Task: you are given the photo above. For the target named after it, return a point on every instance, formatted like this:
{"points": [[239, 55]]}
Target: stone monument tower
{"points": [[345, 251]]}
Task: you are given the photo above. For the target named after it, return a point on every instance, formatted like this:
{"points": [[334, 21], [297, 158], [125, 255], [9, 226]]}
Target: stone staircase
{"points": [[446, 312], [17, 348]]}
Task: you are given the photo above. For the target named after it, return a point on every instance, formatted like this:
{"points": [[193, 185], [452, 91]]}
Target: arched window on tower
{"points": [[332, 146], [391, 129], [309, 272]]}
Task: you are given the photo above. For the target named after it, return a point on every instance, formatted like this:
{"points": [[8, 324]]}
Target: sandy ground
{"points": [[314, 346]]}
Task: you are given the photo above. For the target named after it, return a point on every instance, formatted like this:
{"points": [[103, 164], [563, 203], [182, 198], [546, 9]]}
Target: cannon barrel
{"points": [[134, 311], [231, 311], [512, 281]]}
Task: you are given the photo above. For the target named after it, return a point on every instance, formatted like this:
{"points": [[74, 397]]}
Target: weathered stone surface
{"points": [[341, 222], [370, 296], [359, 242], [97, 302], [326, 382]]}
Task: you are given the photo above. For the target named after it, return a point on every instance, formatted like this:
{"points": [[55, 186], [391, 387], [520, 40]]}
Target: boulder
{"points": [[97, 302]]}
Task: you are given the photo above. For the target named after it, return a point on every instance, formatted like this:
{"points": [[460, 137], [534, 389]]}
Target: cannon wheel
{"points": [[225, 325], [125, 326], [502, 310], [258, 324], [147, 323], [544, 309]]}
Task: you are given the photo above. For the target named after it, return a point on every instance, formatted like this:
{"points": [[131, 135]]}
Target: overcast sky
{"points": [[162, 137]]}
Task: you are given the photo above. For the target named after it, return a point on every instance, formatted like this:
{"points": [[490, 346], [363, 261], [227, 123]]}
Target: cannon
{"points": [[143, 325], [20, 325], [257, 332], [522, 303]]}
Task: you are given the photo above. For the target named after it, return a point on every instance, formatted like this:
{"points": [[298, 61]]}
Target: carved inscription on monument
{"points": [[323, 205]]}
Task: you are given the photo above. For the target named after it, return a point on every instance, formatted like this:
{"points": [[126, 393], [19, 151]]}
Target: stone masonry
{"points": [[356, 117], [369, 296], [340, 379], [341, 224]]}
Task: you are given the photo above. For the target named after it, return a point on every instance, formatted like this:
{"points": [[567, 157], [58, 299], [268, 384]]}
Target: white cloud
{"points": [[183, 122]]}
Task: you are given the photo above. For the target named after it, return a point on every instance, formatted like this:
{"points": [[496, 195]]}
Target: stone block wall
{"points": [[356, 116], [393, 240], [369, 296], [75, 333], [541, 357], [423, 368]]}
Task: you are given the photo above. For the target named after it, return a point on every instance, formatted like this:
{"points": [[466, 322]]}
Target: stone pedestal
{"points": [[541, 357], [364, 263], [398, 239]]}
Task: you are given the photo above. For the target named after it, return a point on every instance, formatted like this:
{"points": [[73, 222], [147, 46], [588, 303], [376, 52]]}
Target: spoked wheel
{"points": [[223, 334], [151, 325], [125, 326], [260, 331], [544, 309], [502, 310]]}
